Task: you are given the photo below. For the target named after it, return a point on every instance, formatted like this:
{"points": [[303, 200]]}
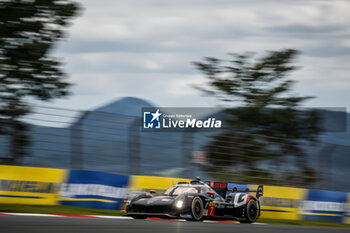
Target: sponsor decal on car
{"points": [[211, 209]]}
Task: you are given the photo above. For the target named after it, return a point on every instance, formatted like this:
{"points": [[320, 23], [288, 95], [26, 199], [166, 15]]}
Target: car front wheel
{"points": [[197, 209]]}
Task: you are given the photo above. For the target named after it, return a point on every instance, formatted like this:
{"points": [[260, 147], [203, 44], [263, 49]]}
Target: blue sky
{"points": [[145, 48]]}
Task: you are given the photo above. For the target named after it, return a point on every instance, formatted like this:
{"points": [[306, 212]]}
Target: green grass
{"points": [[59, 209], [56, 209]]}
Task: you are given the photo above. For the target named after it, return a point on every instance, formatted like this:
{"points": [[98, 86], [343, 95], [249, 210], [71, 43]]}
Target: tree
{"points": [[263, 121], [28, 32]]}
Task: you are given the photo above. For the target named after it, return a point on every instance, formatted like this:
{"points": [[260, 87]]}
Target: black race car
{"points": [[196, 201]]}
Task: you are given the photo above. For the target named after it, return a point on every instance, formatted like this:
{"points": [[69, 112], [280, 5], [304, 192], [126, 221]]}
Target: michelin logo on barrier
{"points": [[326, 206], [281, 202], [156, 119], [94, 189], [73, 190], [28, 186], [305, 205]]}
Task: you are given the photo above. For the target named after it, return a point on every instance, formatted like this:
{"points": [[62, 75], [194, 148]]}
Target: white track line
{"points": [[32, 214]]}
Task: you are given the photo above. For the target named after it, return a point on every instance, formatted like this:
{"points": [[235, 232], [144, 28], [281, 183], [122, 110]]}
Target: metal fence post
{"points": [[134, 147], [187, 149], [76, 138]]}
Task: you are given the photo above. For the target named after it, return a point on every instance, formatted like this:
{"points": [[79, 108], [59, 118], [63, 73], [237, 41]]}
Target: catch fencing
{"points": [[30, 185], [105, 141]]}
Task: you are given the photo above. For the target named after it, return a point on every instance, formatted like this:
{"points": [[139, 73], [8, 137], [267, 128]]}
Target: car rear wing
{"points": [[221, 188], [258, 192]]}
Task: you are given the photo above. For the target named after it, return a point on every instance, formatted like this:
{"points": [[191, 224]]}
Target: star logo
{"points": [[156, 115], [151, 119]]}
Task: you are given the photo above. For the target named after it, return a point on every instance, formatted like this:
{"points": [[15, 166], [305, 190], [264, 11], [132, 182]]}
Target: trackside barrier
{"points": [[304, 204], [48, 186], [94, 189], [281, 202], [153, 182], [325, 205], [30, 185]]}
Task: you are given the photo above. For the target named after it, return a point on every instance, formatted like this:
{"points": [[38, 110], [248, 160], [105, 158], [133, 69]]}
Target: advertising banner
{"points": [[154, 182], [30, 185], [48, 186], [324, 205], [347, 214], [281, 202], [94, 189]]}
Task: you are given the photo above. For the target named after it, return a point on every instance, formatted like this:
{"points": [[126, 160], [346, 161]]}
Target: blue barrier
{"points": [[324, 205], [94, 189]]}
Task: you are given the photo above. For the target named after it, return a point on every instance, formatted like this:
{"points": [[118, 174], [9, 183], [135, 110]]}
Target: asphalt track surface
{"points": [[13, 224]]}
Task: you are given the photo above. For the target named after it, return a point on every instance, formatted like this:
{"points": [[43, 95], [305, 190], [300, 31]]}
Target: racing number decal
{"points": [[240, 199], [211, 209]]}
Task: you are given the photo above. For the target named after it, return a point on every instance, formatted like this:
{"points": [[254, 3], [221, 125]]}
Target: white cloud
{"points": [[145, 48], [151, 65]]}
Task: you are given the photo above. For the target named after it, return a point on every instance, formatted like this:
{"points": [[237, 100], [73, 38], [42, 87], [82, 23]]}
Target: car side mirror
{"points": [[152, 191], [210, 193]]}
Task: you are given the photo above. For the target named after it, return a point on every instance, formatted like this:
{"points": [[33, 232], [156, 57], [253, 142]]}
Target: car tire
{"points": [[251, 212], [197, 208]]}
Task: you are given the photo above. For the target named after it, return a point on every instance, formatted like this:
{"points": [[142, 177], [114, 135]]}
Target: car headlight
{"points": [[179, 204]]}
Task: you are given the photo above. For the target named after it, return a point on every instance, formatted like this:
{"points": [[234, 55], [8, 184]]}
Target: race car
{"points": [[196, 201]]}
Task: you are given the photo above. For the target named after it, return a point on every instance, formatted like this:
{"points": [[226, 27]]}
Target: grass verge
{"points": [[56, 209]]}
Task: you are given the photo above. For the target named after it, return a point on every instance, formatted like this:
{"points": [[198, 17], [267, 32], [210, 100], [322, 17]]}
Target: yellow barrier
{"points": [[30, 185], [281, 202], [154, 182]]}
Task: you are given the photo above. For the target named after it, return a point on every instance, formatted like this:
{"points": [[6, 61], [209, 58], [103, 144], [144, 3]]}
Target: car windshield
{"points": [[177, 190]]}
